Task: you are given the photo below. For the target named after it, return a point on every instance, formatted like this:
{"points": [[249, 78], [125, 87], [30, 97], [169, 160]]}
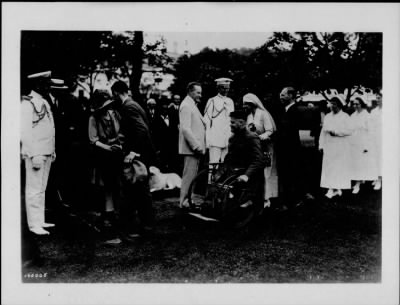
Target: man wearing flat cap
{"points": [[216, 116], [37, 149], [245, 152]]}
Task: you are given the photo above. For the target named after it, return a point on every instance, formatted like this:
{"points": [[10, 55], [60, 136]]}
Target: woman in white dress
{"points": [[260, 121], [333, 141], [362, 161], [376, 140]]}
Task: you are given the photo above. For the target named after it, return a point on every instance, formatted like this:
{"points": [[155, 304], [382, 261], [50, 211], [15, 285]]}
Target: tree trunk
{"points": [[137, 60]]}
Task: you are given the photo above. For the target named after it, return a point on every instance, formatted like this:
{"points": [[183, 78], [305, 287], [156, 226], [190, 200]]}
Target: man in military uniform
{"points": [[216, 116], [37, 149]]}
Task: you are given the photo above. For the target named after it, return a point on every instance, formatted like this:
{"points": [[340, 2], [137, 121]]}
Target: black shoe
{"points": [[282, 208], [195, 208], [109, 219], [131, 236], [146, 231], [299, 204], [247, 204], [309, 197]]}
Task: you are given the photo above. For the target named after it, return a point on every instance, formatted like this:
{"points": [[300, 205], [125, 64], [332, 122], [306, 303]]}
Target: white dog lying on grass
{"points": [[160, 181]]}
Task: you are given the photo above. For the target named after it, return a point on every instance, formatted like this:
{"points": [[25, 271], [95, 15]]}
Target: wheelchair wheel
{"points": [[219, 195], [234, 195]]}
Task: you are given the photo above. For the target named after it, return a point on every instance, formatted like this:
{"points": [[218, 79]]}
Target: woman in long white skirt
{"points": [[362, 161], [376, 140], [260, 121], [334, 143]]}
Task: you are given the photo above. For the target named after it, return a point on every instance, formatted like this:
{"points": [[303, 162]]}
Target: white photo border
{"points": [[198, 17]]}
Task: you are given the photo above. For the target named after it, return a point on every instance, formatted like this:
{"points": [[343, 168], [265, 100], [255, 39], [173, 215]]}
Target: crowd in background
{"points": [[85, 142]]}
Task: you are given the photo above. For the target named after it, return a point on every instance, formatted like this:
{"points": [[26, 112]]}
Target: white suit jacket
{"points": [[192, 132]]}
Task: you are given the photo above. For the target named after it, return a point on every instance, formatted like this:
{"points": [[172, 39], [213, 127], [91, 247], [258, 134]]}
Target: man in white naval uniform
{"points": [[37, 149], [216, 116]]}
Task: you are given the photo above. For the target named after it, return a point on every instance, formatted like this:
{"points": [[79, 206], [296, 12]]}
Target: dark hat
{"points": [[238, 114], [101, 98]]}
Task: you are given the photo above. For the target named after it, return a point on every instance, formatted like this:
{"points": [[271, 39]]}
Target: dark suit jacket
{"points": [[288, 132], [135, 131], [174, 126], [174, 117], [163, 134], [289, 158], [244, 151]]}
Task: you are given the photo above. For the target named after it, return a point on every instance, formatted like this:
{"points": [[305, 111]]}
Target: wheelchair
{"points": [[216, 194]]}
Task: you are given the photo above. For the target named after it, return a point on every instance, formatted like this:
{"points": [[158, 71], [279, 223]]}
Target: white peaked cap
{"points": [[223, 81], [46, 74]]}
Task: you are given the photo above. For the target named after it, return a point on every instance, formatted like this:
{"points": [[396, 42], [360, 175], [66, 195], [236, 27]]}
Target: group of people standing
{"points": [[351, 146], [176, 136], [213, 132], [118, 133]]}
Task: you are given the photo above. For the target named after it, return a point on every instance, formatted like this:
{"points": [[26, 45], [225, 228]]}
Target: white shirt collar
{"points": [[125, 99], [35, 94], [288, 106]]}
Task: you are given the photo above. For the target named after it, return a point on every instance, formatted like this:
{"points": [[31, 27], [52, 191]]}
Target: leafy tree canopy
{"points": [[308, 61]]}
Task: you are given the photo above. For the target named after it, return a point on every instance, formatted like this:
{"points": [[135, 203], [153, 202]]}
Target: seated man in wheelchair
{"points": [[244, 152], [233, 191]]}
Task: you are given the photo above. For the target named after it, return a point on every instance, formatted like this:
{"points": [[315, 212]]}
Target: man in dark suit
{"points": [[173, 114], [164, 137], [289, 150], [137, 144], [152, 114], [173, 111], [151, 105]]}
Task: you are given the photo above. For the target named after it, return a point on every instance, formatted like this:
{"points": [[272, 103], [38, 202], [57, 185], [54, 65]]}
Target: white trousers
{"points": [[217, 154], [35, 190]]}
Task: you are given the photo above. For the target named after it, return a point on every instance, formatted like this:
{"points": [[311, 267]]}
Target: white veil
{"points": [[253, 99]]}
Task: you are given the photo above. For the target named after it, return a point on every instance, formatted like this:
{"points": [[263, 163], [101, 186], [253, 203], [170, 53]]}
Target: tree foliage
{"points": [[68, 53], [308, 61]]}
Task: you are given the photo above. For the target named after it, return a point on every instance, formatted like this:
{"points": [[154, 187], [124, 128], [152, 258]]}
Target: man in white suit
{"points": [[192, 138]]}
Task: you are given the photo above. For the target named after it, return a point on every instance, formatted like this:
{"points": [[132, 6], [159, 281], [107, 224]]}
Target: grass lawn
{"points": [[329, 241]]}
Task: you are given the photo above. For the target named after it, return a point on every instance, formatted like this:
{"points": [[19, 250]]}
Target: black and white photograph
{"points": [[203, 153]]}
